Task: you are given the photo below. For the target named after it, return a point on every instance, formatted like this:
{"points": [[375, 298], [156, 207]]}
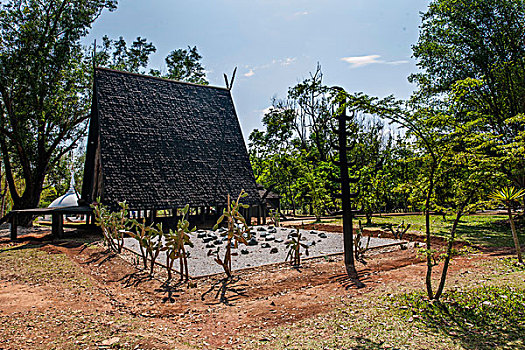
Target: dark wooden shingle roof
{"points": [[164, 144]]}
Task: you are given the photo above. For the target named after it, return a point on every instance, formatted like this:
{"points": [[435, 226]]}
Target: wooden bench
{"points": [[57, 218]]}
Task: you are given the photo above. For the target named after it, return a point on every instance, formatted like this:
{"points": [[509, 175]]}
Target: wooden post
{"points": [[249, 215], [14, 227], [57, 225], [258, 214], [264, 209], [203, 215]]}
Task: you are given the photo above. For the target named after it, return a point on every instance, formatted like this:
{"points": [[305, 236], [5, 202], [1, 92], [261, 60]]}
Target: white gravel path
{"points": [[199, 264]]}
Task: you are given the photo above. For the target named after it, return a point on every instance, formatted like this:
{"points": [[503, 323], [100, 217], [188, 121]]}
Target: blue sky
{"points": [[361, 45]]}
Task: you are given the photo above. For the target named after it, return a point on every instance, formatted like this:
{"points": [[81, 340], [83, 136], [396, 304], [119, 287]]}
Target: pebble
{"points": [[261, 229], [217, 242], [279, 240], [269, 238], [274, 250], [210, 245], [245, 251], [253, 242], [201, 234], [322, 235], [265, 245], [273, 230], [207, 239]]}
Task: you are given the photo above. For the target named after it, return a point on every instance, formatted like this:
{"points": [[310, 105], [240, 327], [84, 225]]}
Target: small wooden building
{"points": [[160, 144]]}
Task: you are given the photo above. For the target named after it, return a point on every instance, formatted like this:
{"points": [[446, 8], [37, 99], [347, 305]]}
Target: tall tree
{"points": [[472, 56], [117, 55], [184, 65], [44, 87], [181, 64]]}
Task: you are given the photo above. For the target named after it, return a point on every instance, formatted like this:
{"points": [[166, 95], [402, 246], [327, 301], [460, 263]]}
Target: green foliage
{"points": [[508, 195], [276, 217], [174, 245], [399, 231], [360, 247], [149, 238], [181, 64], [44, 85], [237, 232], [116, 54], [294, 246], [472, 58], [184, 65], [113, 224], [492, 317]]}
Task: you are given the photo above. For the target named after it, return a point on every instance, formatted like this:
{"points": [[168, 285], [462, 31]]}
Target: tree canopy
{"points": [[44, 87]]}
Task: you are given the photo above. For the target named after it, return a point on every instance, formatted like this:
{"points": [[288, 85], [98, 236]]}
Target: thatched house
{"points": [[161, 144]]}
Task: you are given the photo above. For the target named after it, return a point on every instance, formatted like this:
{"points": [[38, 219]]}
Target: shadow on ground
{"points": [[483, 318]]}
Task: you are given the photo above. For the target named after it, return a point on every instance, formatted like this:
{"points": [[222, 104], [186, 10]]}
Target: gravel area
{"points": [[269, 248]]}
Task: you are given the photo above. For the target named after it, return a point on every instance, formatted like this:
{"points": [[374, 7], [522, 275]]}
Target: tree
{"points": [[182, 64], [507, 196], [44, 86], [472, 57], [117, 55]]}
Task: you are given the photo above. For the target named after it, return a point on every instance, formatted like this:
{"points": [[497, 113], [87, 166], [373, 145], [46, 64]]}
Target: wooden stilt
{"points": [[57, 225], [14, 227]]}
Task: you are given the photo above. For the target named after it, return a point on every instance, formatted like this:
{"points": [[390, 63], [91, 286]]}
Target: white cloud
{"points": [[288, 61], [266, 110], [282, 62], [395, 63], [301, 13], [361, 61]]}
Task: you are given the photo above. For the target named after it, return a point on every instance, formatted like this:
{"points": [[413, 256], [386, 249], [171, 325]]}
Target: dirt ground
{"points": [[86, 297]]}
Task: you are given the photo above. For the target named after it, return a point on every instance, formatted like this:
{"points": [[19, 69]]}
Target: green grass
{"points": [[27, 264], [483, 230], [490, 315]]}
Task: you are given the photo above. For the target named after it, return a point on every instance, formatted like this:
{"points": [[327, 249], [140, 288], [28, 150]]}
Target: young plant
{"points": [[150, 242], [399, 231], [507, 196], [174, 246], [360, 247], [154, 244], [142, 233], [237, 232], [112, 224], [102, 219], [276, 217], [294, 250]]}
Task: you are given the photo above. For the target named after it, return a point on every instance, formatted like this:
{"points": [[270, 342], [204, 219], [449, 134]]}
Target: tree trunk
{"points": [[515, 236], [428, 277], [368, 219], [449, 254]]}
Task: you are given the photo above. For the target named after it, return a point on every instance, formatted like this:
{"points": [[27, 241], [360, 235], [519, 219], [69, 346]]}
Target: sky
{"points": [[361, 45]]}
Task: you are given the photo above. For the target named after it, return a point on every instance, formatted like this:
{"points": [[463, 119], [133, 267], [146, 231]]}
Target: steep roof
{"points": [[158, 143]]}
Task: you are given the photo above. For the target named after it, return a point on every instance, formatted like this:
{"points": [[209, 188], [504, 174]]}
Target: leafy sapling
{"points": [[112, 224], [399, 231], [360, 247], [294, 250], [174, 247], [237, 232]]}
